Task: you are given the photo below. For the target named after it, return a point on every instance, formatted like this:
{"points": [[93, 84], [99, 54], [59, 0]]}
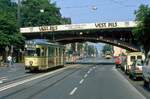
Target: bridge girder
{"points": [[114, 42], [115, 33]]}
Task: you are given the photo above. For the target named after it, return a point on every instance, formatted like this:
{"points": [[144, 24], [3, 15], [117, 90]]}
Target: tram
{"points": [[42, 55]]}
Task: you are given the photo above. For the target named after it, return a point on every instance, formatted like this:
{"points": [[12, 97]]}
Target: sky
{"points": [[81, 11]]}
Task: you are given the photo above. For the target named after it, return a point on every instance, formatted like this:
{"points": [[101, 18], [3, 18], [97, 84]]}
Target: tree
{"points": [[107, 48], [40, 12], [79, 48], [91, 50], [9, 31], [142, 31]]}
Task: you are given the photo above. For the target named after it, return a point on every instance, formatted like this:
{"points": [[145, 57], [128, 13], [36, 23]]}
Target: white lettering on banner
{"points": [[106, 25]]}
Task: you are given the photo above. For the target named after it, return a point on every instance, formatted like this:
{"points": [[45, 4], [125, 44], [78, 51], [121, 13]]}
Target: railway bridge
{"points": [[114, 33]]}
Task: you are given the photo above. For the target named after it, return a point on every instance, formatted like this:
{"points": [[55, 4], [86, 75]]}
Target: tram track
{"points": [[67, 73], [26, 76], [6, 82]]}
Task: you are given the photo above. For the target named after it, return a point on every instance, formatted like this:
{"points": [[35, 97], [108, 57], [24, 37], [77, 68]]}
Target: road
{"points": [[73, 82]]}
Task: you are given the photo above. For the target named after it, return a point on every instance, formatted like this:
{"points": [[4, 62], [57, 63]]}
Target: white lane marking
{"points": [[81, 81], [3, 78], [85, 75], [28, 80], [88, 71], [114, 68], [73, 91], [1, 81]]}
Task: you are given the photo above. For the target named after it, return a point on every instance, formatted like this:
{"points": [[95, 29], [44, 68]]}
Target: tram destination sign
{"points": [[84, 26]]}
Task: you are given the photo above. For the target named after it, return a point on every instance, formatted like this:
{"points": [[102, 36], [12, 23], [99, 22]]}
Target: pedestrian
{"points": [[9, 59]]}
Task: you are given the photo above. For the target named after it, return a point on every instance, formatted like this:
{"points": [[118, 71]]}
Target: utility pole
{"points": [[19, 25], [18, 13]]}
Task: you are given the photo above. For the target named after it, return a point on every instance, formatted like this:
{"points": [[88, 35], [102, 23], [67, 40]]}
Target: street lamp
{"points": [[94, 7], [41, 10]]}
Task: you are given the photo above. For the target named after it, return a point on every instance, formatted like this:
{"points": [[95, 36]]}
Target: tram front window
{"points": [[36, 52], [30, 53]]}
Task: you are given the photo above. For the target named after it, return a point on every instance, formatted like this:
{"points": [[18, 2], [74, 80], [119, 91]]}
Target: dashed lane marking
{"points": [[85, 75], [73, 91], [81, 81], [88, 71]]}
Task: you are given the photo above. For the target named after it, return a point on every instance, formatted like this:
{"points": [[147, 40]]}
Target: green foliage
{"points": [[9, 33], [40, 12], [79, 46], [142, 31], [107, 48], [91, 50]]}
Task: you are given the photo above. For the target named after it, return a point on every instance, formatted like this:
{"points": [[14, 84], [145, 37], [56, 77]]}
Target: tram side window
{"points": [[139, 57], [38, 51], [51, 51], [43, 52], [132, 58], [29, 52], [56, 51]]}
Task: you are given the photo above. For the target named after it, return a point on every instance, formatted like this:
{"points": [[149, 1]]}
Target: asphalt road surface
{"points": [[73, 82]]}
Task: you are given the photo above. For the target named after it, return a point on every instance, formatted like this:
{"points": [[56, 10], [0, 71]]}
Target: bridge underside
{"points": [[119, 37]]}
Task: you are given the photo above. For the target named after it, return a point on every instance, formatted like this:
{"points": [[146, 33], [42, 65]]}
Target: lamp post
{"points": [[41, 10], [18, 13]]}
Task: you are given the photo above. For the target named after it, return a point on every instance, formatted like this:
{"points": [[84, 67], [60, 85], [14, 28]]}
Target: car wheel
{"points": [[130, 76], [134, 77], [145, 83], [148, 85], [126, 72], [116, 66]]}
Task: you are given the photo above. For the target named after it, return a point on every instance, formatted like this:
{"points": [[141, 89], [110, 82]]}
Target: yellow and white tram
{"points": [[42, 55]]}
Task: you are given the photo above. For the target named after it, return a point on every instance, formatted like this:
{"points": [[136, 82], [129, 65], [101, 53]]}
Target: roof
{"points": [[40, 42]]}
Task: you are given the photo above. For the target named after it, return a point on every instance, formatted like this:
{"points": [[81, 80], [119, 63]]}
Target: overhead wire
{"points": [[121, 3], [90, 5]]}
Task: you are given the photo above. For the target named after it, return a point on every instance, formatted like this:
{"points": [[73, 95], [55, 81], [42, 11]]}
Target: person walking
{"points": [[9, 59]]}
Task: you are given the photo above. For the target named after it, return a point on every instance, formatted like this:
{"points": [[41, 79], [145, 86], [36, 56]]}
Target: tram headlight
{"points": [[31, 63]]}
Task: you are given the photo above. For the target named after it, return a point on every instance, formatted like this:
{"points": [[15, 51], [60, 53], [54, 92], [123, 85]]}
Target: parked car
{"points": [[118, 61], [108, 56], [146, 71], [136, 69], [130, 58]]}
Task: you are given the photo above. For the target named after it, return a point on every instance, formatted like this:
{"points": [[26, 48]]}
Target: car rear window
{"points": [[139, 57], [132, 58]]}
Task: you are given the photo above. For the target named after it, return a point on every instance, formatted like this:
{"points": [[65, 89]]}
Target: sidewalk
{"points": [[14, 65]]}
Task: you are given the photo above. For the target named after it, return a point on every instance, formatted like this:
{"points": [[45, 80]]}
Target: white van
{"points": [[131, 57]]}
